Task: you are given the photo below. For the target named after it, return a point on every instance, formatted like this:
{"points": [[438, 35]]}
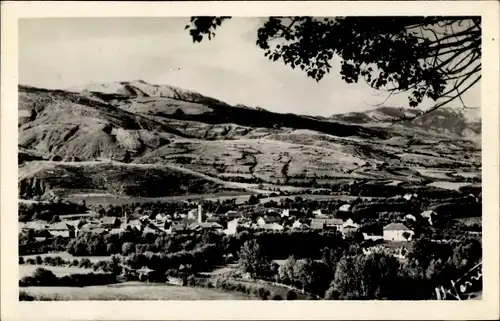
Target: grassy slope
{"points": [[28, 270], [114, 178], [132, 291]]}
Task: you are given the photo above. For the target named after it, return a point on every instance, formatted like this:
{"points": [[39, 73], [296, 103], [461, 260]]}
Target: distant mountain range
{"points": [[445, 120], [108, 138]]}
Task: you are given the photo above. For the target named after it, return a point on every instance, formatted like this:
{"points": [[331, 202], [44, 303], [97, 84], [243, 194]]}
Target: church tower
{"points": [[200, 214]]}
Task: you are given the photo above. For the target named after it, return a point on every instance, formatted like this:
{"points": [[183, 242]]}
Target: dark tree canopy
{"points": [[434, 57]]}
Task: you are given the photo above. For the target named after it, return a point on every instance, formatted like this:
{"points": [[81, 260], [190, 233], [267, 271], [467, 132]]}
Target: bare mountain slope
{"points": [[72, 125], [140, 88], [445, 120], [166, 135], [42, 178], [174, 103]]}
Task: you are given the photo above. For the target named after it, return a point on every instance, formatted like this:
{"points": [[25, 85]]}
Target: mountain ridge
{"points": [[139, 123], [458, 122]]}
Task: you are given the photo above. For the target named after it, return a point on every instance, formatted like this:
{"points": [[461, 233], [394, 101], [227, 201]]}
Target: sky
{"points": [[66, 52]]}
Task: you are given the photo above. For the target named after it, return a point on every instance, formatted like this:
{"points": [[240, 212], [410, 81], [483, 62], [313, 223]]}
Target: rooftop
{"points": [[109, 220], [317, 225], [271, 218], [396, 227], [59, 226], [272, 226], [327, 221]]}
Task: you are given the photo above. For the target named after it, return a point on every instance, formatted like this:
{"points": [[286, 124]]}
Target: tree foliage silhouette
{"points": [[434, 57]]}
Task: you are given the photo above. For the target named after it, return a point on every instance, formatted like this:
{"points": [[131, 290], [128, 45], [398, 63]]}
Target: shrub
{"points": [[191, 281], [41, 277], [30, 261], [128, 248], [39, 260], [276, 297], [291, 295], [87, 279], [85, 263], [260, 292], [21, 260], [26, 281], [23, 296], [59, 261], [47, 260]]}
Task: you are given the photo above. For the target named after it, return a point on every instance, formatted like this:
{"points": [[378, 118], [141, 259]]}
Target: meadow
{"points": [[449, 185], [107, 199], [131, 291], [315, 197], [68, 257], [28, 270]]}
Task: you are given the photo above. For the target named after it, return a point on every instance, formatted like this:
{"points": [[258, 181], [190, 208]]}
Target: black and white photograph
{"points": [[278, 158]]}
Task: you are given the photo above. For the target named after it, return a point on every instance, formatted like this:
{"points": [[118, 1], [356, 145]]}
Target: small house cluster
{"points": [[229, 223], [74, 225]]}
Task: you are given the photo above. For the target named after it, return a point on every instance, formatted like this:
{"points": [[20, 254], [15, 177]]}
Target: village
{"points": [[196, 220], [284, 249]]}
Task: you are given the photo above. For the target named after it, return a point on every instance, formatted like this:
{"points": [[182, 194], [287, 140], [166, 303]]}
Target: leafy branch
{"points": [[438, 58]]}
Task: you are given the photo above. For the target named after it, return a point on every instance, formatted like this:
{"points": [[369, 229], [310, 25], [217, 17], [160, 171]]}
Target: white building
{"points": [[410, 217], [136, 224], [200, 218], [345, 208], [317, 212], [61, 229], [211, 226], [161, 217], [349, 226], [192, 213], [409, 196], [232, 227], [273, 227], [285, 213], [429, 215], [268, 219], [397, 232], [297, 225], [232, 214], [326, 222], [372, 237]]}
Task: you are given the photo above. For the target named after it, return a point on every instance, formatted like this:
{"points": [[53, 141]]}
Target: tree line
{"points": [[344, 272]]}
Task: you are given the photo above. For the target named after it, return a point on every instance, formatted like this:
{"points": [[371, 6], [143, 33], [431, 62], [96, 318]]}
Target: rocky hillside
{"points": [[458, 122], [134, 138]]}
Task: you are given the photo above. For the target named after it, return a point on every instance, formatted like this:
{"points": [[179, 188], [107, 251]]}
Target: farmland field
{"points": [[315, 197], [66, 256], [435, 173], [131, 291], [470, 220], [28, 270], [468, 174], [282, 262], [448, 185], [104, 199]]}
